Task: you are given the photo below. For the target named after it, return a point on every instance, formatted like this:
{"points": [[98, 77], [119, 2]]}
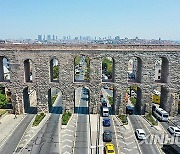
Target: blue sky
{"points": [[126, 18]]}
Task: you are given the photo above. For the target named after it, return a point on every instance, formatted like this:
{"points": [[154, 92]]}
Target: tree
{"points": [[3, 100], [55, 72]]}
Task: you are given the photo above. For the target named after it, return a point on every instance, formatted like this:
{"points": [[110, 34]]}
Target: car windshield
{"points": [[110, 151], [142, 134], [177, 131], [165, 116]]}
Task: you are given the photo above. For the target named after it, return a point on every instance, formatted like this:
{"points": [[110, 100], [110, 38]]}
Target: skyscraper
{"points": [[40, 38], [48, 37]]}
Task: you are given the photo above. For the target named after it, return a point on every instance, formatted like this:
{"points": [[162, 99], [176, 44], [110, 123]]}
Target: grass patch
{"points": [[65, 117], [150, 118], [2, 112], [123, 118], [53, 99], [38, 119]]}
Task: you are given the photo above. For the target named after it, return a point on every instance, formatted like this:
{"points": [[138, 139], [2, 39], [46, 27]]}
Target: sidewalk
{"points": [[94, 133], [8, 125]]}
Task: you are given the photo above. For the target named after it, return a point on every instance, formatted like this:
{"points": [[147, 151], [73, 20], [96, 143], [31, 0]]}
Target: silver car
{"points": [[174, 130]]}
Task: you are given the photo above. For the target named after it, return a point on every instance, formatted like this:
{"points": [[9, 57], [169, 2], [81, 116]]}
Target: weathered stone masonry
{"points": [[121, 54]]}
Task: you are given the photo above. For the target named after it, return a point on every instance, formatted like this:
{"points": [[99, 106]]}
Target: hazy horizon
{"points": [[148, 19]]}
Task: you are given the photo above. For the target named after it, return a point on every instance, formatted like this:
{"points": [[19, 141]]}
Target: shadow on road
{"points": [[81, 110]]}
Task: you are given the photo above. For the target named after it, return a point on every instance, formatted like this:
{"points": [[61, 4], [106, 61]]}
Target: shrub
{"points": [[38, 119], [123, 118], [133, 101], [65, 117]]}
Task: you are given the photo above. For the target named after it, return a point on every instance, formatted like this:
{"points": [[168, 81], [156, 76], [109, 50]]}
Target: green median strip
{"points": [[123, 118], [65, 117], [2, 111], [150, 118], [53, 99], [39, 117]]}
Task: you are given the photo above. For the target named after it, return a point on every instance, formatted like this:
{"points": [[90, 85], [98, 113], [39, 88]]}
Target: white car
{"points": [[174, 130], [140, 134]]}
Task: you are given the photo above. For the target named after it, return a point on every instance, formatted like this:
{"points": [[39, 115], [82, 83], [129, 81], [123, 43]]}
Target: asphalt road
{"points": [[111, 128], [47, 139], [11, 144], [145, 148], [82, 129]]}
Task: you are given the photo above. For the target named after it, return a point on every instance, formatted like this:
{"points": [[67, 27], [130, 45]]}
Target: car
{"points": [[109, 148], [106, 86], [140, 134], [106, 122], [107, 137], [174, 130]]}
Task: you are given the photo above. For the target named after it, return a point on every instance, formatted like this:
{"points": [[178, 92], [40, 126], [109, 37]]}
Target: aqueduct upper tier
{"points": [[38, 76]]}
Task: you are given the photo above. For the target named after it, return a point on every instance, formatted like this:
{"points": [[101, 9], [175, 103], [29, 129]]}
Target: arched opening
{"points": [[108, 69], [133, 100], [54, 70], [55, 100], [28, 69], [81, 69], [107, 98], [30, 100], [81, 102], [5, 100], [134, 69], [4, 69], [160, 97], [161, 70]]}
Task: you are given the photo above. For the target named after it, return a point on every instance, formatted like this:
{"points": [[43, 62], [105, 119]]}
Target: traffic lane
{"points": [[110, 92], [47, 139], [145, 148], [11, 144], [110, 128], [81, 143]]}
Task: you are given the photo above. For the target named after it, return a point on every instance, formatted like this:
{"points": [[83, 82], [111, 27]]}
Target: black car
{"points": [[107, 137]]}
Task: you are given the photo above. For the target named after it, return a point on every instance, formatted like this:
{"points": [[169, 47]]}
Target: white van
{"points": [[160, 114], [105, 111]]}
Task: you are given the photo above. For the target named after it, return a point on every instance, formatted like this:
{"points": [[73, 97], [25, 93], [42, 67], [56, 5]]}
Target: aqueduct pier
{"points": [[41, 55]]}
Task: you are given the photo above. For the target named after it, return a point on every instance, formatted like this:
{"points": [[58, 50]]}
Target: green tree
{"points": [[55, 72], [107, 65], [3, 100], [77, 60]]}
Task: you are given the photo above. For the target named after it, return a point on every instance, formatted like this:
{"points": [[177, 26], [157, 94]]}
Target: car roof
{"points": [[110, 146], [140, 130], [107, 131]]}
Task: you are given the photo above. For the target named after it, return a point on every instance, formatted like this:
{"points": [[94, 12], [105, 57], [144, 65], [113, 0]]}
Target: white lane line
{"points": [[118, 146], [158, 147]]}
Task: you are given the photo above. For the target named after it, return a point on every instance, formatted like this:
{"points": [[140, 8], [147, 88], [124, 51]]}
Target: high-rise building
{"points": [[53, 37], [48, 37], [40, 38]]}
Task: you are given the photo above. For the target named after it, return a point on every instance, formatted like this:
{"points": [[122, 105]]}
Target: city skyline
{"points": [[145, 19]]}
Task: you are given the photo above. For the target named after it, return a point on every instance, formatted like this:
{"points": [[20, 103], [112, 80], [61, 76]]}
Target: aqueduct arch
{"points": [[41, 57]]}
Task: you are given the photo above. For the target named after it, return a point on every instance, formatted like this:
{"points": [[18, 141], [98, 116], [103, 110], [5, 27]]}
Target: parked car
{"points": [[174, 130], [109, 148], [140, 134], [107, 137], [106, 122]]}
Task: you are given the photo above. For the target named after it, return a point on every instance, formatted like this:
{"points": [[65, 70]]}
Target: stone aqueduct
{"points": [[41, 55]]}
